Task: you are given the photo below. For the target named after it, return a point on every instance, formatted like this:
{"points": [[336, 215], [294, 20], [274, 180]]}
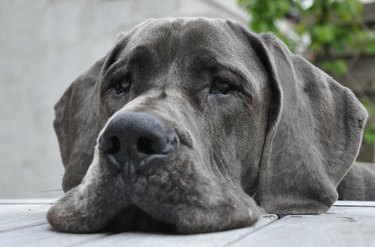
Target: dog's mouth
{"points": [[171, 195], [133, 218], [100, 205], [138, 185]]}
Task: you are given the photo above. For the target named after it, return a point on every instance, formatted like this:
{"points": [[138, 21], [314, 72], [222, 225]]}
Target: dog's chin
{"points": [[154, 200], [133, 218], [74, 213]]}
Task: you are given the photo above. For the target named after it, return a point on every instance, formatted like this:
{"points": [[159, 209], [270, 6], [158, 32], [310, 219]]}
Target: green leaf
{"points": [[323, 33], [332, 24], [369, 134], [336, 67]]}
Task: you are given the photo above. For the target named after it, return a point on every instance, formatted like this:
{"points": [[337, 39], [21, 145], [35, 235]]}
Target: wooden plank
{"points": [[28, 201], [23, 213], [356, 211], [347, 223], [42, 235], [354, 204], [209, 239], [26, 225], [341, 226], [15, 217]]}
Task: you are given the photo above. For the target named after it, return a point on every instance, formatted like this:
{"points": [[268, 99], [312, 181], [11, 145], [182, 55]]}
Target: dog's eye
{"points": [[220, 86], [123, 85]]}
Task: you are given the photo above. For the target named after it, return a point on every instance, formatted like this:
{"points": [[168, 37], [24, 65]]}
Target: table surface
{"points": [[347, 223]]}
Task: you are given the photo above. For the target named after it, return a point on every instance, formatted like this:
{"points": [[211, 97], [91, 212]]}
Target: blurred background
{"points": [[46, 44]]}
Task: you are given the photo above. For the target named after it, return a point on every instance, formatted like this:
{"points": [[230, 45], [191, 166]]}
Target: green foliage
{"points": [[369, 133], [335, 28], [263, 21]]}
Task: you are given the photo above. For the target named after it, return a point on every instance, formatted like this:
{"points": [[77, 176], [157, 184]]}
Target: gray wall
{"points": [[44, 45]]}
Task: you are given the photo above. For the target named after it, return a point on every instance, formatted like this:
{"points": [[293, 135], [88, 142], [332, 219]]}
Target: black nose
{"points": [[136, 138]]}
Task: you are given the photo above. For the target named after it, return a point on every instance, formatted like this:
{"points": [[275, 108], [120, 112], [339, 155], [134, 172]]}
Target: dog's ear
{"points": [[314, 132], [77, 125]]}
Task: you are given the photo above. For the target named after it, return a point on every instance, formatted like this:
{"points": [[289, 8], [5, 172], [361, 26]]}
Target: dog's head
{"points": [[185, 121]]}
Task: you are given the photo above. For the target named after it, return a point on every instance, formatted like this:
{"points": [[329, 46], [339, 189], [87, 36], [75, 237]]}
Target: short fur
{"points": [[286, 135]]}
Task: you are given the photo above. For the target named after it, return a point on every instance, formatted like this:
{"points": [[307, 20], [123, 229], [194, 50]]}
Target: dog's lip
{"points": [[138, 164], [132, 218], [185, 137], [149, 159]]}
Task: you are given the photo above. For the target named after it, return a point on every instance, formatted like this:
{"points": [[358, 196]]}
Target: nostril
{"points": [[155, 145], [144, 145], [110, 145]]}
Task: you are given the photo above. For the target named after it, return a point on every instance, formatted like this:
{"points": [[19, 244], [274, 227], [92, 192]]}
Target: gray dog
{"points": [[188, 123]]}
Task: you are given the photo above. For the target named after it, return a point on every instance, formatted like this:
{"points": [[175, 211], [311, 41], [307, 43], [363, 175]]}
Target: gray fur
{"points": [[359, 183], [286, 135]]}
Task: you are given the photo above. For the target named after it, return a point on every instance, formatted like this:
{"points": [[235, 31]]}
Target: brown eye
{"points": [[123, 86], [220, 86]]}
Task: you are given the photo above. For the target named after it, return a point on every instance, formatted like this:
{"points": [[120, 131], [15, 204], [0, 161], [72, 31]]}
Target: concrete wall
{"points": [[44, 45]]}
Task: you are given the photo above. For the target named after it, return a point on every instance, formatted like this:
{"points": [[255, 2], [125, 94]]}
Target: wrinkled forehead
{"points": [[193, 44], [188, 36]]}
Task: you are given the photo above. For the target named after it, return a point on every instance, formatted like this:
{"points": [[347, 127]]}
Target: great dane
{"points": [[190, 125]]}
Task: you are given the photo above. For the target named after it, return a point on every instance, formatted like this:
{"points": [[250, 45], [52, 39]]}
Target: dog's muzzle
{"points": [[136, 139]]}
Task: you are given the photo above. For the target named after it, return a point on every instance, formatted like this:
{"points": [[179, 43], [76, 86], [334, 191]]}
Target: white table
{"points": [[23, 223]]}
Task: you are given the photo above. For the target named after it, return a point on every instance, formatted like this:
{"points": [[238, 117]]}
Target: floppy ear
{"points": [[314, 132], [77, 125]]}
